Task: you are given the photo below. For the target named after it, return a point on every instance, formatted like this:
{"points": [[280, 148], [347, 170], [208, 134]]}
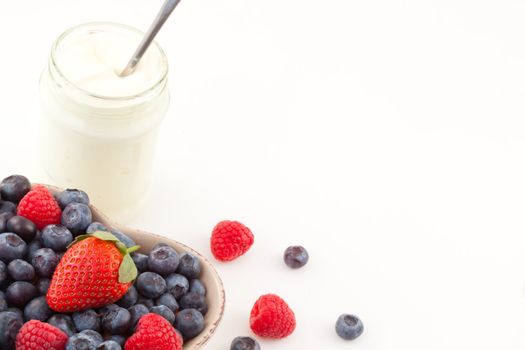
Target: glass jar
{"points": [[102, 144]]}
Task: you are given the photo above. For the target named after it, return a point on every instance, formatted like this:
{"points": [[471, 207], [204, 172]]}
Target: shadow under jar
{"points": [[98, 130]]}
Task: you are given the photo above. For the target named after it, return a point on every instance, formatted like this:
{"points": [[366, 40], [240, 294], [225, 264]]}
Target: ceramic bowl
{"points": [[215, 289]]}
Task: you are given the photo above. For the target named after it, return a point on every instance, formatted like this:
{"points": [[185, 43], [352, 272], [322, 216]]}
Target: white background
{"points": [[386, 136]]}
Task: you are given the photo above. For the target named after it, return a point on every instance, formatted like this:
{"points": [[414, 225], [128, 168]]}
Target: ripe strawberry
{"points": [[154, 332], [271, 317], [36, 335], [96, 270], [230, 240], [39, 206]]}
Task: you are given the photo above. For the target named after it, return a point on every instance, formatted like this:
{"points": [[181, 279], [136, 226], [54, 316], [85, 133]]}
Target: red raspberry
{"points": [[39, 206], [36, 335], [271, 317], [154, 332], [230, 240]]}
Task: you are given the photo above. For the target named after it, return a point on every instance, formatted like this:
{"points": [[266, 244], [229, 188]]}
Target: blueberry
{"points": [[23, 227], [163, 260], [76, 217], [19, 293], [10, 324], [109, 345], [117, 321], [151, 285], [38, 235], [245, 343], [32, 248], [177, 285], [161, 245], [14, 188], [64, 323], [69, 196], [7, 207], [81, 342], [43, 285], [296, 257], [129, 299], [96, 226], [119, 339], [193, 300], [96, 336], [140, 260], [104, 310], [349, 327], [37, 309], [21, 270], [165, 312], [4, 217], [19, 313], [44, 261], [3, 272], [136, 312], [149, 303], [11, 247], [128, 242], [167, 299], [56, 237], [87, 319], [3, 302], [190, 323], [189, 266], [198, 287]]}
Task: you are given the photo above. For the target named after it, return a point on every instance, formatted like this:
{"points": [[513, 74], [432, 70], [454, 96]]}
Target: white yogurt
{"points": [[99, 129], [93, 62]]}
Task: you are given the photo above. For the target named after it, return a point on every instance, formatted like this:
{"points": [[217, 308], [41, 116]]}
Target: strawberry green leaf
{"points": [[133, 249], [108, 237], [127, 271], [105, 236], [83, 237], [121, 247]]}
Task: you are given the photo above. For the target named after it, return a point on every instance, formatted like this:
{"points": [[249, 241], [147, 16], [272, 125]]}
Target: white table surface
{"points": [[386, 136]]}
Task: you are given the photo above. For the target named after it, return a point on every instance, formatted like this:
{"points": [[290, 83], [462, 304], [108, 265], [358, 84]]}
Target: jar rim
{"points": [[98, 25]]}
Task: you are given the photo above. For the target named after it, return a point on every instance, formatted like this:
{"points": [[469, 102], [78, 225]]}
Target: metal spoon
{"points": [[163, 15]]}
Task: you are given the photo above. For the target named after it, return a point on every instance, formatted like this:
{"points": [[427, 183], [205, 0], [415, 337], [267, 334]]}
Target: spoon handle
{"points": [[163, 15]]}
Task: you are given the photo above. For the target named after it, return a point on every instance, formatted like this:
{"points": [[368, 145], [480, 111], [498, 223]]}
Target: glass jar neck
{"points": [[74, 98], [82, 103]]}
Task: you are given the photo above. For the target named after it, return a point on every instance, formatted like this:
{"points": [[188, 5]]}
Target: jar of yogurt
{"points": [[99, 129]]}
